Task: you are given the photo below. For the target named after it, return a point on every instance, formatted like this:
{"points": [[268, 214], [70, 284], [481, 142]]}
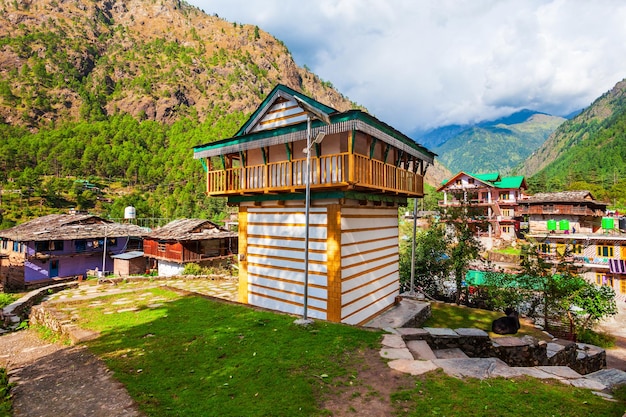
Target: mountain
{"points": [[496, 145], [115, 93], [587, 152], [77, 59], [597, 116]]}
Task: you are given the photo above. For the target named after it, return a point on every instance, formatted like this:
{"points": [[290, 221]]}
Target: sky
{"points": [[421, 64]]}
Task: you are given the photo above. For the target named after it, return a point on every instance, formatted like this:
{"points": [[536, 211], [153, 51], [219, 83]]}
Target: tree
{"points": [[462, 222], [431, 260], [592, 303]]}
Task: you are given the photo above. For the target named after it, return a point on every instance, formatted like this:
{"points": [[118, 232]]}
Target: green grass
{"points": [[5, 394], [508, 251], [197, 357], [6, 299], [193, 357], [456, 317], [440, 395]]}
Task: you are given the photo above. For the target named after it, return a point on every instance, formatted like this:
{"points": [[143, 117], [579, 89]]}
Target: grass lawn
{"points": [[456, 317], [191, 356]]}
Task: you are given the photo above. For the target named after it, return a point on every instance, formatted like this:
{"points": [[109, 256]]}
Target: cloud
{"points": [[418, 65]]}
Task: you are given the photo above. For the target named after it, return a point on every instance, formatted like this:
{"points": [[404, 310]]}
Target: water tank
{"points": [[564, 224], [130, 213], [608, 223], [551, 225]]}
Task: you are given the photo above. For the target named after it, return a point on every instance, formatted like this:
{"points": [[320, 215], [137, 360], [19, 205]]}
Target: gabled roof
{"points": [[491, 179], [280, 100], [280, 119], [564, 197], [69, 227], [190, 229]]}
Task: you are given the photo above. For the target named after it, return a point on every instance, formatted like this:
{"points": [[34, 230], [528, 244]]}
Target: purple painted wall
{"points": [[70, 262]]}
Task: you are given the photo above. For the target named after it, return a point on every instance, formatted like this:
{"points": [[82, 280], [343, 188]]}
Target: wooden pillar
{"points": [[333, 255], [243, 255]]}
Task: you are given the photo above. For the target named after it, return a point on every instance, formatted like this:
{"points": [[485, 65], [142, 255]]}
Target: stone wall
{"points": [[514, 351]]}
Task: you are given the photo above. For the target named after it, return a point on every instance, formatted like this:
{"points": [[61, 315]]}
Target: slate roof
{"points": [[190, 229], [563, 197], [70, 227]]}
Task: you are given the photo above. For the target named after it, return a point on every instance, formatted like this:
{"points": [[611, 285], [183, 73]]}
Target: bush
{"points": [[603, 340], [6, 299]]}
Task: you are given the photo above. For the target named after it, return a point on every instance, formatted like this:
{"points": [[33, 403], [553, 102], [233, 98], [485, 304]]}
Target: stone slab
{"points": [[409, 333], [608, 377], [560, 371], [510, 341], [451, 353], [413, 367], [393, 353], [400, 314], [585, 383], [471, 332], [441, 332], [420, 350], [534, 372], [393, 341], [479, 368]]}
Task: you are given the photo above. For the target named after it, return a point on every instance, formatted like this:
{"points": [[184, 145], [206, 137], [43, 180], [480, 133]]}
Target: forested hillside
{"points": [[586, 153], [114, 94], [499, 145]]}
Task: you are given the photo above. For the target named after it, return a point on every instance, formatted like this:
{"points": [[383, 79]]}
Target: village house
{"points": [[62, 246], [322, 241], [494, 200], [566, 211], [571, 226], [189, 240]]}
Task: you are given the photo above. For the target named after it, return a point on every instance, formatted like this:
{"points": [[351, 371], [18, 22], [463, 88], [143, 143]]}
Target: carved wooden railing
{"points": [[328, 171]]}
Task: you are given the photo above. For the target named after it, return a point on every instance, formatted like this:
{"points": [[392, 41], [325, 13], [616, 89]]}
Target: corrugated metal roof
{"points": [[128, 255], [70, 227], [190, 229]]}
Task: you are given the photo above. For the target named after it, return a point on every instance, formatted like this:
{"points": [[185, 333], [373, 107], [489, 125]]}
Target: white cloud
{"points": [[420, 64]]}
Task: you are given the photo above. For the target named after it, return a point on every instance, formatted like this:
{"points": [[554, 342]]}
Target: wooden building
{"points": [[576, 209], [62, 246], [185, 241], [360, 174]]}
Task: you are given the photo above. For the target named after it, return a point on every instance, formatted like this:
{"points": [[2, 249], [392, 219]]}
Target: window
{"points": [[504, 195], [545, 248], [604, 279], [49, 245], [577, 249], [507, 212], [458, 182], [605, 251], [16, 247], [506, 229], [161, 247], [470, 180], [622, 286], [81, 245], [5, 244]]}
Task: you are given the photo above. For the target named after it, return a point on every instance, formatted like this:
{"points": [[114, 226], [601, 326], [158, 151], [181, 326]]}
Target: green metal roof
{"points": [[490, 176], [510, 182]]}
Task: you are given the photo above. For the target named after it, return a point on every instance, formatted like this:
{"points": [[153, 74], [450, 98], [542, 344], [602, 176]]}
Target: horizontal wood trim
{"points": [[346, 318]]}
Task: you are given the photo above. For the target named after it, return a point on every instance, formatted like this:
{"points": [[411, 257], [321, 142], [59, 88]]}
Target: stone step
{"points": [[452, 353], [420, 350]]}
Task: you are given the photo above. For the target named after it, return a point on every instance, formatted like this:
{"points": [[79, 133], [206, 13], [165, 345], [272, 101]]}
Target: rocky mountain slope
{"points": [[69, 60]]}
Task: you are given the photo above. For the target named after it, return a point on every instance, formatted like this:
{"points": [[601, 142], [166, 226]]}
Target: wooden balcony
{"points": [[338, 171]]}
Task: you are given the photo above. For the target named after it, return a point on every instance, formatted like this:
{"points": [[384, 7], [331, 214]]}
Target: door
{"points": [[54, 268]]}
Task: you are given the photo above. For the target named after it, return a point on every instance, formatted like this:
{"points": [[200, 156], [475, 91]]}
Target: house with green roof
{"points": [[318, 193], [496, 200]]}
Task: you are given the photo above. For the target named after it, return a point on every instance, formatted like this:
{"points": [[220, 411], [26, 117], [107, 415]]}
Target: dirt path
{"points": [[55, 380]]}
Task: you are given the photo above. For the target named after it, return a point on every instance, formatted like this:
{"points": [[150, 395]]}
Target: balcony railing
{"points": [[328, 171]]}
